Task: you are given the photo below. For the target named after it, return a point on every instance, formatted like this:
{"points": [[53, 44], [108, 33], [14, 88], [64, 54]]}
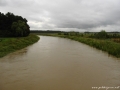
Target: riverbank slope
{"points": [[8, 45]]}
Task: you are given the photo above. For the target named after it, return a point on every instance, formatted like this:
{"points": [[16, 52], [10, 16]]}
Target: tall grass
{"points": [[8, 45]]}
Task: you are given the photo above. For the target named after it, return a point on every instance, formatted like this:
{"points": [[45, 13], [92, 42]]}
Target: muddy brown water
{"points": [[55, 63]]}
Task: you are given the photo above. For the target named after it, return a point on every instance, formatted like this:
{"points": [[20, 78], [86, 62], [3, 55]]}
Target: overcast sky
{"points": [[70, 15]]}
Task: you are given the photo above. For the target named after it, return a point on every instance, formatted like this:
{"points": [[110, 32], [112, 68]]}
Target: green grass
{"points": [[8, 45], [106, 45]]}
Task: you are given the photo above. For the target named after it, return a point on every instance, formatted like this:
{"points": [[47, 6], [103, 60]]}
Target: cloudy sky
{"points": [[68, 15]]}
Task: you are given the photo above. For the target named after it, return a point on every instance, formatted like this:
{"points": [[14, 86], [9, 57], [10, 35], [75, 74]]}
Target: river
{"points": [[55, 63]]}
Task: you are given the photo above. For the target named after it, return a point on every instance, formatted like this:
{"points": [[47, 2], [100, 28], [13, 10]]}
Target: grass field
{"points": [[8, 45]]}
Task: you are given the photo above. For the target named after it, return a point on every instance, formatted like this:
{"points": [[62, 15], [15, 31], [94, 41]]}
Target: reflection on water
{"points": [[58, 64]]}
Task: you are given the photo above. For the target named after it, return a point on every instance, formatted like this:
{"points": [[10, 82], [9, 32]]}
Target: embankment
{"points": [[8, 45]]}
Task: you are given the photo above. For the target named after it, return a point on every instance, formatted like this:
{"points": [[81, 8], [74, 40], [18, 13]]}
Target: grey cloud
{"points": [[80, 14], [3, 2]]}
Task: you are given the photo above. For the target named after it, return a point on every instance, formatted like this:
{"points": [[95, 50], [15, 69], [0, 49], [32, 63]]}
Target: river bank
{"points": [[9, 45], [106, 45]]}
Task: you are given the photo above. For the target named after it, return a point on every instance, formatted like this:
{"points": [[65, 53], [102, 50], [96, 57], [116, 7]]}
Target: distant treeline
{"points": [[13, 25], [99, 35], [48, 31], [56, 31]]}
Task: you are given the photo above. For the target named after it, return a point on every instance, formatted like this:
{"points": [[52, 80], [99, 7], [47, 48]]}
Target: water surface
{"points": [[55, 63]]}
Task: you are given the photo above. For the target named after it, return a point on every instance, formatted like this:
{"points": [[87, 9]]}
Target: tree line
{"points": [[13, 25], [43, 31], [98, 35]]}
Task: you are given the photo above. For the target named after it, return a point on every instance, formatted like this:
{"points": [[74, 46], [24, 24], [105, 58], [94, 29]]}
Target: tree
{"points": [[20, 28], [13, 25]]}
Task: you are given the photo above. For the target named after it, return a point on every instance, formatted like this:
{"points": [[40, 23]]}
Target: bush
{"points": [[102, 35]]}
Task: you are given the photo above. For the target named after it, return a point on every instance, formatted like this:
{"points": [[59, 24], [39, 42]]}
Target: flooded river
{"points": [[55, 63]]}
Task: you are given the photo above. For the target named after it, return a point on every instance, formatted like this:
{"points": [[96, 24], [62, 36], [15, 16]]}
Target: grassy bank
{"points": [[8, 45], [106, 45]]}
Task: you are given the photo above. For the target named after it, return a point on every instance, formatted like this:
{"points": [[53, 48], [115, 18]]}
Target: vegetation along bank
{"points": [[11, 44]]}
